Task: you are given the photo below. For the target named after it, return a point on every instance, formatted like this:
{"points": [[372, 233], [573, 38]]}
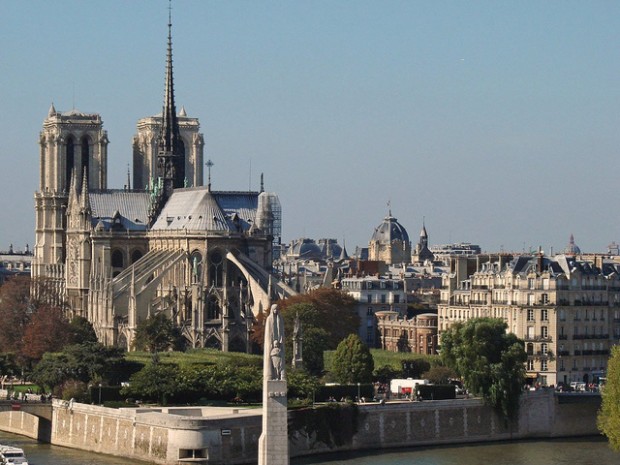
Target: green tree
{"points": [[415, 367], [92, 361], [439, 374], [353, 362], [609, 416], [385, 373], [81, 330], [155, 382], [315, 336], [157, 334], [80, 362], [52, 372], [489, 360], [302, 384]]}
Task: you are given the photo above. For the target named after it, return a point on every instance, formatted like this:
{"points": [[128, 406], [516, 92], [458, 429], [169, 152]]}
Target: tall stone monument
{"points": [[273, 442]]}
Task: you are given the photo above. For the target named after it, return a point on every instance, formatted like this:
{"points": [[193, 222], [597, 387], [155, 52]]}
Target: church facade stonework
{"points": [[170, 245]]}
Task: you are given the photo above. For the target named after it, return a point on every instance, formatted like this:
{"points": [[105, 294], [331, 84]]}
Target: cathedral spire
{"points": [[73, 190], [171, 159], [85, 199]]}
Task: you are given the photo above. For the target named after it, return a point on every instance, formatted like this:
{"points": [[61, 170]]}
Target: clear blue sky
{"points": [[497, 121]]}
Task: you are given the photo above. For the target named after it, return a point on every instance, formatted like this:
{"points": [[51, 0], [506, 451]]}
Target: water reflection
{"points": [[575, 451], [46, 454]]}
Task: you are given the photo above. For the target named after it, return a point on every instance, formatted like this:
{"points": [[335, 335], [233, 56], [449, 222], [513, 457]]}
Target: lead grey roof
{"points": [[390, 230], [198, 209], [132, 207]]}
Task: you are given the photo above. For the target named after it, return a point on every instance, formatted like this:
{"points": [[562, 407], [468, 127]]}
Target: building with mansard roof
{"points": [[178, 247], [566, 310]]}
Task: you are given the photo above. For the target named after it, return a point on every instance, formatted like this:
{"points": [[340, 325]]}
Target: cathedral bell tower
{"points": [[72, 145]]}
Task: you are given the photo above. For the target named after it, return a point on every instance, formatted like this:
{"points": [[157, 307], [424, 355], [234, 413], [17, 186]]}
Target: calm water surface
{"points": [[590, 451]]}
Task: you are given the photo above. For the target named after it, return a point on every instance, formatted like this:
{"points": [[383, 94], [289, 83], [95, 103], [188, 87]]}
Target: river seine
{"points": [[577, 451]]}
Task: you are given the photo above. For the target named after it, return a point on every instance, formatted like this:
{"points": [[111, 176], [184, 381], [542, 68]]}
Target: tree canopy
{"points": [[327, 316], [30, 325], [334, 312], [80, 362], [353, 362], [47, 331], [489, 360], [15, 311], [157, 334], [609, 415]]}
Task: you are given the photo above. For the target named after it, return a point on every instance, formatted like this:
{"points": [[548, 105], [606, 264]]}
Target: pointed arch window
{"points": [[117, 258], [85, 156], [215, 269], [69, 161], [136, 255], [213, 308]]}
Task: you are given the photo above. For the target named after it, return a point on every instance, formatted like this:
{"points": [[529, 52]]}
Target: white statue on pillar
{"points": [[273, 441], [274, 346]]}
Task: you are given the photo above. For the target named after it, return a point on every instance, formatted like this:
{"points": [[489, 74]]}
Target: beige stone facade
{"points": [[566, 310], [374, 295], [145, 147], [117, 256], [417, 335], [390, 242]]}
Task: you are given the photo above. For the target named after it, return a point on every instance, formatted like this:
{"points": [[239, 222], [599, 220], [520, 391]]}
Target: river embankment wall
{"points": [[230, 436]]}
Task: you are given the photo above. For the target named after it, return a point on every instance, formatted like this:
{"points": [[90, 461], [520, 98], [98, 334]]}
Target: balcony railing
{"points": [[537, 338], [590, 336]]}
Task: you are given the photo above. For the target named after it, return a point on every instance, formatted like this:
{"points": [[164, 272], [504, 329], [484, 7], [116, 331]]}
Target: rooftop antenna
{"points": [[389, 205], [209, 164]]}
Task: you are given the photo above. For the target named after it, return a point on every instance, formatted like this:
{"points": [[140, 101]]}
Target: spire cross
{"points": [[209, 164]]}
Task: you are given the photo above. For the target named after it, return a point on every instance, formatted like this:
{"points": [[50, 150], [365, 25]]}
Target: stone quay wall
{"points": [[542, 414], [160, 435], [230, 436], [18, 422]]}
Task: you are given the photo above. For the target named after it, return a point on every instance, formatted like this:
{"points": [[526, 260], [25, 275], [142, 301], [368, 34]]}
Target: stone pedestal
{"points": [[273, 442]]}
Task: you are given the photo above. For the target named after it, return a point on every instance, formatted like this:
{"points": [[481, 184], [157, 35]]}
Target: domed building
{"points": [[572, 248], [390, 242]]}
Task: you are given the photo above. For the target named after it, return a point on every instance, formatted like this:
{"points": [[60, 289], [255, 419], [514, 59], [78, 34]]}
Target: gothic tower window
{"points": [[213, 308], [215, 270], [117, 258], [85, 158], [136, 255], [70, 161]]}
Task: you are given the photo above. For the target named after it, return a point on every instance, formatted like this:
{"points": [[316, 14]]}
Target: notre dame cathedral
{"points": [[171, 244]]}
